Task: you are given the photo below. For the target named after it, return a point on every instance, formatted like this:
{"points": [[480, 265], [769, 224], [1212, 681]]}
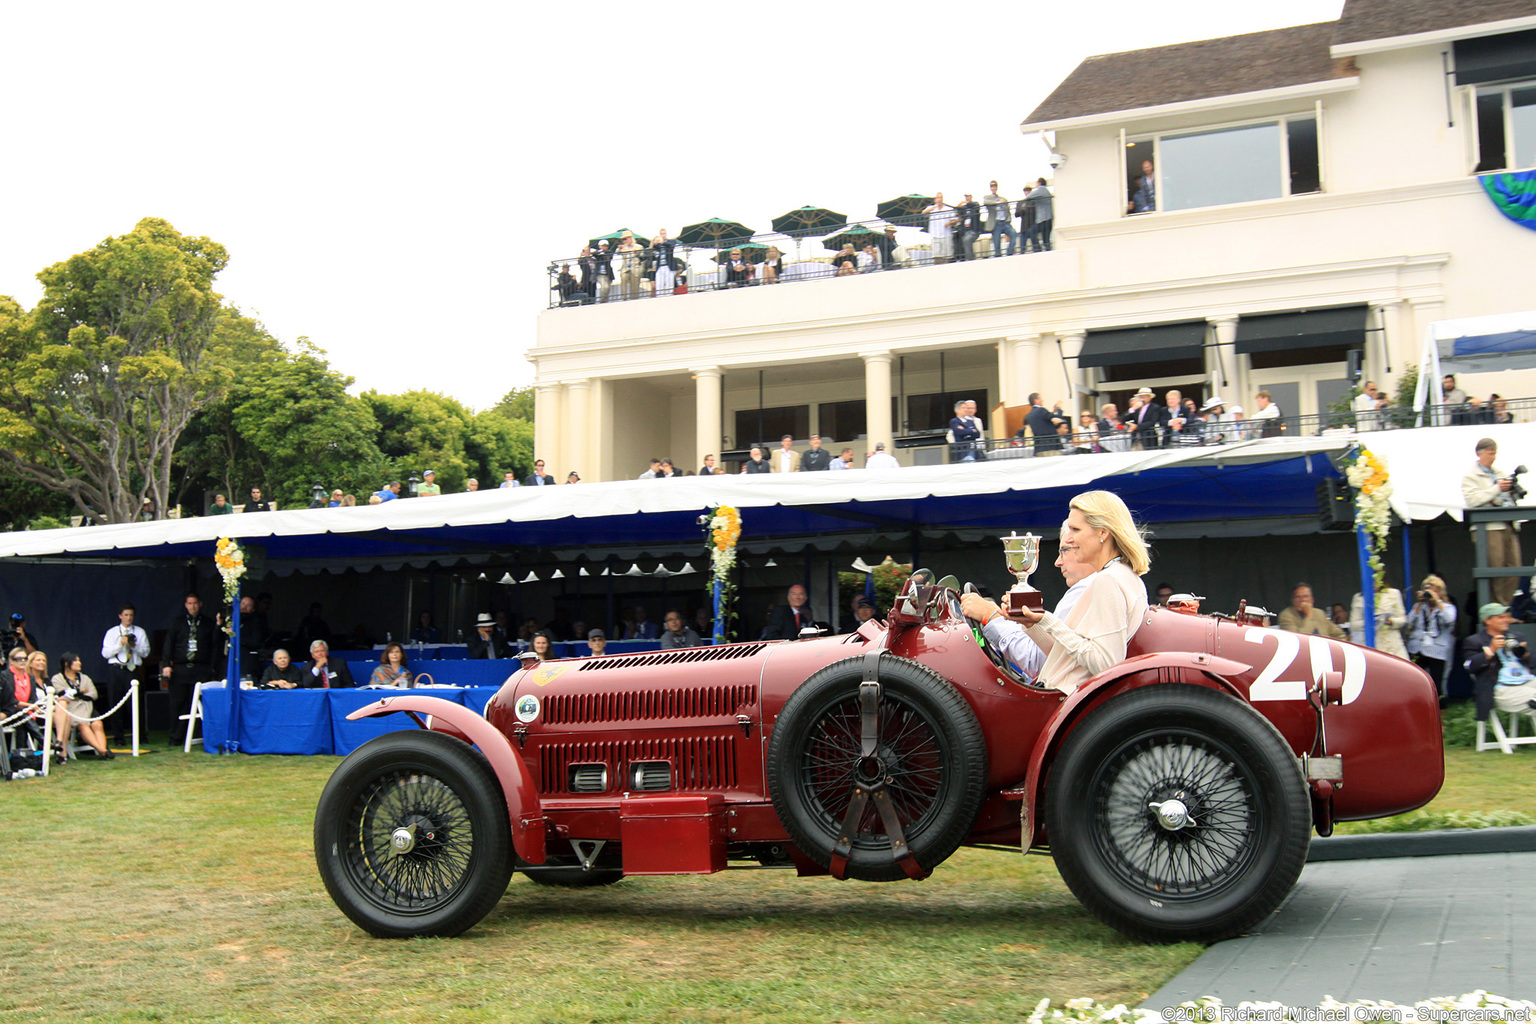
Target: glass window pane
{"points": [[1235, 165], [1490, 131], [1301, 140], [1140, 197], [1522, 119]]}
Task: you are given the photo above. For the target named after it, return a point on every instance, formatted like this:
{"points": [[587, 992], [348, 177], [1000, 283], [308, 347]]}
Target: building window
{"points": [[933, 412], [768, 425], [1218, 166], [1506, 127], [841, 420]]}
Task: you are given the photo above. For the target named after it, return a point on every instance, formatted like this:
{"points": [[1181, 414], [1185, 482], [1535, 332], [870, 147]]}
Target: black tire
{"points": [[1240, 783], [932, 753], [459, 860]]}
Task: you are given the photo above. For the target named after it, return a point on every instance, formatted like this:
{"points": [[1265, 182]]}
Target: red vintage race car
{"points": [[1177, 792]]}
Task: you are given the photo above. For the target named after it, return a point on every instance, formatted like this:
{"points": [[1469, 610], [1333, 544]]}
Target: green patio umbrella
{"points": [[713, 232], [859, 235], [809, 221], [614, 236], [905, 210]]}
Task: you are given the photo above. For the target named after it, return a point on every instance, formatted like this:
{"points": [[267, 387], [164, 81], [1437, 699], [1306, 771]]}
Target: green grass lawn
{"points": [[183, 888]]}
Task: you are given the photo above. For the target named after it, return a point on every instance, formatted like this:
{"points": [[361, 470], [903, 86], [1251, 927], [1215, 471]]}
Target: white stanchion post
{"points": [[47, 734], [133, 704]]}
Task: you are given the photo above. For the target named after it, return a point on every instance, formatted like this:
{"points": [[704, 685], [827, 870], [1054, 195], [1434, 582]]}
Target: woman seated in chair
{"points": [[391, 670], [17, 694], [282, 674], [1098, 630], [79, 692], [37, 678]]}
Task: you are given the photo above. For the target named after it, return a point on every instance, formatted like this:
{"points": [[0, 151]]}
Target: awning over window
{"points": [[1478, 344], [1495, 58], [1306, 328], [1150, 343]]}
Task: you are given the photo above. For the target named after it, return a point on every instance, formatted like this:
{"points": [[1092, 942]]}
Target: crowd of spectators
{"points": [[609, 271]]}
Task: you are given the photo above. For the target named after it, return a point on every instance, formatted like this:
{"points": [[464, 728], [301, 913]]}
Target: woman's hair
{"points": [[392, 646], [33, 657], [1105, 511], [15, 651], [67, 659], [1434, 581]]}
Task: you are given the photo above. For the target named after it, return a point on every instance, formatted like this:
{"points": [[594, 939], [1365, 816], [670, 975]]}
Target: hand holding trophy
{"points": [[1022, 555]]}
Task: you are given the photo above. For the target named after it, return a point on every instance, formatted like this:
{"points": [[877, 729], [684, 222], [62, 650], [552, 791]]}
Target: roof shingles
{"points": [[1366, 20], [1203, 69]]}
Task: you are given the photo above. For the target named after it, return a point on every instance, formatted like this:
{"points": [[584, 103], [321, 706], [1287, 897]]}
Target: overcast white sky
{"points": [[391, 180]]}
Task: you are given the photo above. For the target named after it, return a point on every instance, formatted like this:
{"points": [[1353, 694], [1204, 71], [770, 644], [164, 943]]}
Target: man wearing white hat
{"points": [[487, 643]]}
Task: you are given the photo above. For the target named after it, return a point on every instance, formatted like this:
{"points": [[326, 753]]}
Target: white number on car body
{"points": [[1325, 656]]}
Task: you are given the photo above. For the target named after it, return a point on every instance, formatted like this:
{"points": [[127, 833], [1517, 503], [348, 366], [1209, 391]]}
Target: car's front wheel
{"points": [[412, 836], [1176, 813]]}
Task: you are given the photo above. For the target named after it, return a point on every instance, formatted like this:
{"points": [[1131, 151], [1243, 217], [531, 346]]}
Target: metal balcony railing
{"points": [[865, 247]]}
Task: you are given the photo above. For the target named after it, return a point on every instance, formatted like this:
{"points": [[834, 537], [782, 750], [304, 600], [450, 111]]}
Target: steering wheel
{"points": [[994, 655]]}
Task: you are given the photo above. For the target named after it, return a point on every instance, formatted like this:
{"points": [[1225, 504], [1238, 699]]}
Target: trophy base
{"points": [[1015, 601]]}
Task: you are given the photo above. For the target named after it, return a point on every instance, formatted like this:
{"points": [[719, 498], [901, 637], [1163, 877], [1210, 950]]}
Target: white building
{"points": [[1315, 192]]}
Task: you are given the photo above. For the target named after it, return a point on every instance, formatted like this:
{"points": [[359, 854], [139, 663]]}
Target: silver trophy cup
{"points": [[1022, 555]]}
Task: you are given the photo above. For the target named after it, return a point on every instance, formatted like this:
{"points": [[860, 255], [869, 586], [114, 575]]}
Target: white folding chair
{"points": [[195, 715], [1504, 739]]}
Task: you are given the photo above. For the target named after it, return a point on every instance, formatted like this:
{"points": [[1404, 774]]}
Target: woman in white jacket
{"points": [[1391, 616]]}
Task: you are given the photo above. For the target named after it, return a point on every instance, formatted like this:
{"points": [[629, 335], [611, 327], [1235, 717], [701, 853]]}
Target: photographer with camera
{"points": [[1500, 665], [1432, 630], [16, 634], [1485, 486]]}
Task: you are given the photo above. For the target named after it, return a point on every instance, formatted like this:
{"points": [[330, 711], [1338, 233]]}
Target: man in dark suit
{"points": [[488, 642], [966, 433], [1148, 419], [1041, 426], [968, 228], [189, 657], [816, 457], [539, 478], [256, 504], [322, 672], [787, 620]]}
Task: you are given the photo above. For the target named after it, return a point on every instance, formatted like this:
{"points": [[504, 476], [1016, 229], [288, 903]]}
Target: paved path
{"points": [[1395, 927]]}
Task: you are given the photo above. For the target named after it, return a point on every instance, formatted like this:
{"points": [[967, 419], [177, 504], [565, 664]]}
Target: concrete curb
{"points": [[1450, 842]]}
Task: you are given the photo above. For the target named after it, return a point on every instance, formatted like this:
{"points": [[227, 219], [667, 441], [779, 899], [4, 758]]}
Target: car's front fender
{"points": [[523, 808], [1183, 666]]}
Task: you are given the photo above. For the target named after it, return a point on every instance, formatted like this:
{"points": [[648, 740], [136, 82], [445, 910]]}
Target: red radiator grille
{"points": [[700, 763], [639, 705]]}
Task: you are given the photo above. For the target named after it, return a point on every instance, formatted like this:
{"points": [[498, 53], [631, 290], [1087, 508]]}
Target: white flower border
{"points": [[1478, 1005]]}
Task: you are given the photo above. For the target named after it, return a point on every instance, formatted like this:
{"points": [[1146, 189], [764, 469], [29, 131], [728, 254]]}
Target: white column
{"points": [[1026, 369], [877, 398], [578, 444], [1223, 363], [548, 426], [1071, 348], [707, 401]]}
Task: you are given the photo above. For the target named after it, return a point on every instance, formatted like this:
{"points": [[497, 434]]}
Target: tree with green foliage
{"points": [[286, 423], [421, 430], [517, 404], [105, 373], [496, 444]]}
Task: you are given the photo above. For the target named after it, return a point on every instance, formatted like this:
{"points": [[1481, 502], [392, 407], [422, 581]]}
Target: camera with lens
{"points": [[9, 638], [1516, 492]]}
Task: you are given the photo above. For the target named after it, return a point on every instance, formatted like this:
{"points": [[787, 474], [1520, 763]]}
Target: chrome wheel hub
{"points": [[1172, 814]]}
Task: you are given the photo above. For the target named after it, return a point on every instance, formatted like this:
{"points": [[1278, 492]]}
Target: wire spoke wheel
{"points": [[412, 836], [1177, 813], [424, 812], [1221, 802]]}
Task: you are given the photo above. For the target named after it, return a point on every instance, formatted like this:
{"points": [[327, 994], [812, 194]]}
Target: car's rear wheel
{"points": [[412, 836], [928, 757], [1177, 813]]}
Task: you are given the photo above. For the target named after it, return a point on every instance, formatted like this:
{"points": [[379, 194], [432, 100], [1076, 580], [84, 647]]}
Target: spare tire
{"points": [[1177, 813], [931, 758]]}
